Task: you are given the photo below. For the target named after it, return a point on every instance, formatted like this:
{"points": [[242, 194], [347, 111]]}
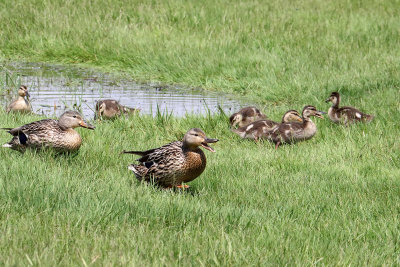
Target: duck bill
{"points": [[86, 125], [328, 100], [319, 114], [206, 142], [298, 119], [27, 94]]}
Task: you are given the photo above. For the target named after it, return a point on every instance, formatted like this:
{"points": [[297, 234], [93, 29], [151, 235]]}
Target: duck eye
{"points": [[196, 135], [74, 116]]}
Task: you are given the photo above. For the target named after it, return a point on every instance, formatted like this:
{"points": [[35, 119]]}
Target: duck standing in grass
{"points": [[264, 128], [175, 163], [21, 104], [110, 109], [345, 115], [245, 116], [290, 132], [57, 134]]}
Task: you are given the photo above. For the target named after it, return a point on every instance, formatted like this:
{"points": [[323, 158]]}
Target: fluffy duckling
{"points": [[175, 163], [290, 132], [109, 109], [21, 104], [57, 134], [345, 115], [264, 128], [245, 116]]}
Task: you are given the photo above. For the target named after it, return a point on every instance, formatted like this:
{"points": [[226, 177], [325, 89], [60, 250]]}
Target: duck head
{"points": [[309, 111], [334, 98], [72, 119], [23, 91], [235, 119], [196, 137], [292, 116]]}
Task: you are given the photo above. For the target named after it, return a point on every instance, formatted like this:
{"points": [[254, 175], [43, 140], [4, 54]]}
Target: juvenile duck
{"points": [[58, 134], [109, 109], [290, 132], [245, 116], [345, 115], [264, 128], [175, 163], [21, 104]]}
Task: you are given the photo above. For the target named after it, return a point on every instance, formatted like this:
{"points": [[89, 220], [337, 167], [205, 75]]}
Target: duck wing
{"points": [[288, 131], [353, 114]]}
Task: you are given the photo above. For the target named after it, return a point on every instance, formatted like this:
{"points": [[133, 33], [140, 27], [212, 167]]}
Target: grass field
{"points": [[333, 200]]}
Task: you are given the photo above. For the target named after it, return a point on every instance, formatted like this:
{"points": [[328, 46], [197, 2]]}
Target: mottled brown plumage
{"points": [[110, 109], [57, 134], [175, 163], [21, 104], [264, 128], [290, 132], [245, 116], [345, 115]]}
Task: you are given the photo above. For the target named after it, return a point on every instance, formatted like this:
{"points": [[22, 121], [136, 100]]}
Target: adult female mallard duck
{"points": [[175, 163], [264, 128], [245, 116], [109, 109], [345, 115], [58, 134], [290, 132], [21, 104]]}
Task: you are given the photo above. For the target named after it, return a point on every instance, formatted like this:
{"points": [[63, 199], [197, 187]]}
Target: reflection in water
{"points": [[55, 88]]}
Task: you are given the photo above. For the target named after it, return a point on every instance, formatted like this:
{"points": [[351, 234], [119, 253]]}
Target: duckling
{"points": [[264, 128], [57, 134], [175, 163], [109, 109], [21, 104], [345, 115], [245, 116], [290, 132]]}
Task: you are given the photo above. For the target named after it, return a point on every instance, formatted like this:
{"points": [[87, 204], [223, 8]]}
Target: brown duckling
{"points": [[245, 116], [57, 134], [175, 163], [264, 128], [110, 109], [345, 115], [290, 132], [21, 104]]}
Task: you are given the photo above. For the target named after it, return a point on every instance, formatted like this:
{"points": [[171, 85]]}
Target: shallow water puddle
{"points": [[54, 89]]}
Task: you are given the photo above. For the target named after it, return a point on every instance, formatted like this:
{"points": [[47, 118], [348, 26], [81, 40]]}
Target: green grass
{"points": [[274, 51], [333, 200]]}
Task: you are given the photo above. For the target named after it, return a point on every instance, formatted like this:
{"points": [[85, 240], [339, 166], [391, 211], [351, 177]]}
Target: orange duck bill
{"points": [[86, 125]]}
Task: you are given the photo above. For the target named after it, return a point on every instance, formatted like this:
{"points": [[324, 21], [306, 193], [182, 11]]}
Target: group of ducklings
{"points": [[253, 124], [179, 162]]}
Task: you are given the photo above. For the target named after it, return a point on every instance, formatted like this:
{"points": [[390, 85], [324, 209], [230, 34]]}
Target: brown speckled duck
{"points": [[21, 104], [245, 116], [58, 134], [290, 132], [264, 128], [175, 163], [345, 115], [109, 109]]}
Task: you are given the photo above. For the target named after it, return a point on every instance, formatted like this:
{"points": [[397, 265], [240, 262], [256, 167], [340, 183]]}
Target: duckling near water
{"points": [[109, 109], [245, 116], [58, 134], [175, 163], [264, 128], [21, 104], [290, 132], [345, 115]]}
